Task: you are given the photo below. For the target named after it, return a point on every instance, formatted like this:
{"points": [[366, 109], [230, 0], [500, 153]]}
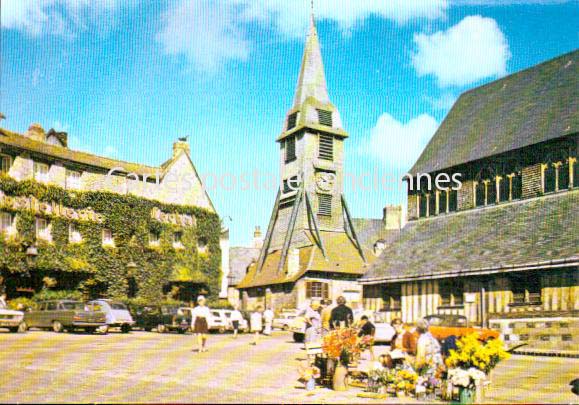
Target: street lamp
{"points": [[31, 254], [131, 267], [132, 284]]}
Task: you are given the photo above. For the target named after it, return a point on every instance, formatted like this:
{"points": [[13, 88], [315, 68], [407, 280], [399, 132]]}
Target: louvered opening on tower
{"points": [[326, 148], [291, 120], [325, 204], [290, 149], [324, 117]]}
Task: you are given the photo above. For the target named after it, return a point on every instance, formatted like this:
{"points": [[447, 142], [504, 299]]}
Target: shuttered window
{"points": [[291, 120], [324, 204], [290, 149], [6, 222], [5, 163], [325, 117], [317, 289], [326, 147]]}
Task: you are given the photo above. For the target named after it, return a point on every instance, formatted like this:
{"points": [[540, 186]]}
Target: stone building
{"points": [[503, 249], [103, 225], [312, 247], [240, 260]]}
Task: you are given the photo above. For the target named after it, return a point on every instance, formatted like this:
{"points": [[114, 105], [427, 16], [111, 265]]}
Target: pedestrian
{"points": [[367, 332], [342, 316], [3, 303], [268, 321], [325, 315], [200, 316], [236, 318], [256, 322], [403, 344], [428, 351]]}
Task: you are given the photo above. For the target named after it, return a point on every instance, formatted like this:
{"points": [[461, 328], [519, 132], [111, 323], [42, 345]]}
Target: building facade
{"points": [[311, 248], [71, 220], [502, 249]]}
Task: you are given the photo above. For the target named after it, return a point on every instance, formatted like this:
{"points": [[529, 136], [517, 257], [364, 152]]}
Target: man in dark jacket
{"points": [[342, 315]]}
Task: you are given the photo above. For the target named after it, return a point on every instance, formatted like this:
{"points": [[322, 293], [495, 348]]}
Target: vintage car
{"points": [[384, 330], [64, 315], [117, 314], [217, 322], [443, 326], [164, 318], [243, 324], [11, 320], [284, 320]]}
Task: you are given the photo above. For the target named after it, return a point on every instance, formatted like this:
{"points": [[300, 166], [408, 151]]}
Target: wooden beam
{"points": [[269, 233], [312, 219], [290, 230], [351, 226]]}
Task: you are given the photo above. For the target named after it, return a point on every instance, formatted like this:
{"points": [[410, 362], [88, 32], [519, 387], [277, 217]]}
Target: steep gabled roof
{"points": [[519, 235], [525, 108]]}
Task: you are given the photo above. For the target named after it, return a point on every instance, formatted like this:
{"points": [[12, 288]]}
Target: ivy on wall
{"points": [[103, 270]]}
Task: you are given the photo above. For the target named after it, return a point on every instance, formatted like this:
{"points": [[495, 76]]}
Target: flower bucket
{"points": [[466, 395], [339, 382]]}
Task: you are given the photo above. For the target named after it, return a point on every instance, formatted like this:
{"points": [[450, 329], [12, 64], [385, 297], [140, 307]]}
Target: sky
{"points": [[125, 79]]}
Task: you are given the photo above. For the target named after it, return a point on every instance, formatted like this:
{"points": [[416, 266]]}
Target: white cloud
{"points": [[210, 33], [472, 50], [398, 145], [443, 102], [58, 17]]}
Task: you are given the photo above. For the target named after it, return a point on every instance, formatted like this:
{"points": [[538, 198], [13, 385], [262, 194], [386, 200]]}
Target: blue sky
{"points": [[126, 78]]}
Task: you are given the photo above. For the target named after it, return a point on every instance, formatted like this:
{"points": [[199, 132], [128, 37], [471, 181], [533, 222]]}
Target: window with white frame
{"points": [[154, 238], [6, 223], [108, 239], [73, 178], [5, 163], [178, 240], [74, 235], [42, 226], [41, 172]]}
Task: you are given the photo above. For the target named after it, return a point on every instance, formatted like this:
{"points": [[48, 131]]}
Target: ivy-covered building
{"points": [[502, 249], [70, 220]]}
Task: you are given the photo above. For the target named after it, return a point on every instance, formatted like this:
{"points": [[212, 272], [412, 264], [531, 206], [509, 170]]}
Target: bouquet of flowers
{"points": [[405, 380], [472, 353], [341, 344], [365, 342], [465, 378], [380, 377]]}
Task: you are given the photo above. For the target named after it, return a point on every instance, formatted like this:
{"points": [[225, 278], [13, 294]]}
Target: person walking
{"points": [[256, 322], [326, 315], [342, 316], [200, 316], [268, 316], [236, 318], [367, 328]]}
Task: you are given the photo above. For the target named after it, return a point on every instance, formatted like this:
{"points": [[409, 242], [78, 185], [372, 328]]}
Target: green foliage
{"points": [[21, 301], [49, 295], [103, 270]]}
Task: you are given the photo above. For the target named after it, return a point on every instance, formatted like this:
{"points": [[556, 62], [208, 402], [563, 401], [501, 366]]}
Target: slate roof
{"points": [[239, 260], [526, 234], [22, 142], [525, 108], [370, 230], [341, 257]]}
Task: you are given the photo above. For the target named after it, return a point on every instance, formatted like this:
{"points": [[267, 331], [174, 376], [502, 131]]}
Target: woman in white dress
{"points": [[236, 319], [256, 321], [200, 321]]}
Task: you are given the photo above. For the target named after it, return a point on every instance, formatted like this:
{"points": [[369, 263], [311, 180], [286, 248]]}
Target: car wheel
{"points": [[57, 327], [23, 327], [161, 329], [221, 330], [90, 330], [103, 329], [299, 337], [285, 327], [13, 330], [181, 331], [147, 329], [125, 328]]}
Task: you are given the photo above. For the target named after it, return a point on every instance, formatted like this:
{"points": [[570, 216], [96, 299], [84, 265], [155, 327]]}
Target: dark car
{"points": [[64, 315], [164, 318]]}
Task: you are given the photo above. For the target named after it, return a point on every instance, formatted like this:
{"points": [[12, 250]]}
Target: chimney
{"points": [[257, 238], [392, 217], [36, 132], [180, 145]]}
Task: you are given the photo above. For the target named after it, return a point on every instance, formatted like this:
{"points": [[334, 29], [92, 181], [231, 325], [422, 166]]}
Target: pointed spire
{"points": [[312, 80]]}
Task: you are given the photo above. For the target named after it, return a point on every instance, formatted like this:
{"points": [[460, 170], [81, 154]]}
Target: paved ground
{"points": [[149, 367]]}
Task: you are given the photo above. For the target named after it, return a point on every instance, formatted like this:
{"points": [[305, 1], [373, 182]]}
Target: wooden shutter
{"points": [[325, 291], [324, 204], [325, 117], [290, 149], [291, 121], [308, 289], [326, 147]]}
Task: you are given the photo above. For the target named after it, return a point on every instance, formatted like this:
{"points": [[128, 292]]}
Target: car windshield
{"points": [[435, 320], [215, 313], [118, 305], [74, 306]]}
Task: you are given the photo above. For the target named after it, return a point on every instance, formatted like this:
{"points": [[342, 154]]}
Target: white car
{"points": [[117, 314], [218, 320], [284, 321], [384, 331], [243, 325], [11, 320]]}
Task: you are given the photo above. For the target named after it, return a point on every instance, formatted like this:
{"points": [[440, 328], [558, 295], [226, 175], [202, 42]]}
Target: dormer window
{"points": [[5, 164], [41, 172], [292, 120], [326, 147], [324, 117], [290, 149]]}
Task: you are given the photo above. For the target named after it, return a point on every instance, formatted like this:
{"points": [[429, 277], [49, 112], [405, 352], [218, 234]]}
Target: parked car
{"points": [[243, 324], [284, 320], [117, 314], [384, 330], [217, 322], [164, 318], [64, 315], [443, 326], [297, 327], [11, 320]]}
